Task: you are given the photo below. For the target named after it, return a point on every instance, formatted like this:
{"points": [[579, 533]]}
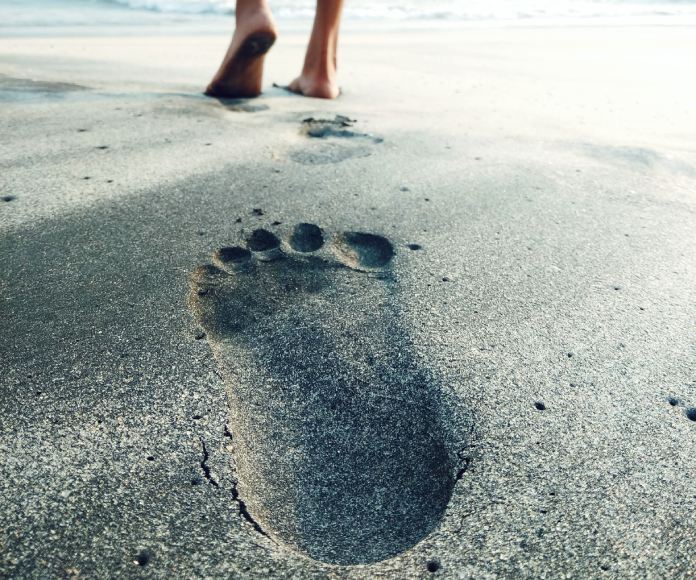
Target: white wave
{"points": [[438, 9], [179, 6], [50, 13]]}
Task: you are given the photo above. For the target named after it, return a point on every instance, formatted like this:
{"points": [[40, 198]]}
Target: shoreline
{"points": [[163, 24]]}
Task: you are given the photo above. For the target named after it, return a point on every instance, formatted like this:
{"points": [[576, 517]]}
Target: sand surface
{"points": [[532, 335]]}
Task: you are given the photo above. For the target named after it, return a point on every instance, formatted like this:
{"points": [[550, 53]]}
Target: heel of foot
{"points": [[257, 44]]}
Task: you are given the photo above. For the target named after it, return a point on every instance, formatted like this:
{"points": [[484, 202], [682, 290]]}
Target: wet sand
{"points": [[530, 334]]}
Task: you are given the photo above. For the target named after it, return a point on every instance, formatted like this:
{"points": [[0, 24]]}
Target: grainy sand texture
{"points": [[440, 327]]}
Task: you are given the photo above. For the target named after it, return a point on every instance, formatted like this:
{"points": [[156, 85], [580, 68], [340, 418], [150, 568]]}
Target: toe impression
{"points": [[362, 251]]}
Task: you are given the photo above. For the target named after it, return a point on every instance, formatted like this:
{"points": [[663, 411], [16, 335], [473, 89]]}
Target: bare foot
{"points": [[241, 73], [319, 86], [318, 78]]}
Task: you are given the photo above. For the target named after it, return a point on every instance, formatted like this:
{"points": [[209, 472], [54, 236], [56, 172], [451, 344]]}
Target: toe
{"points": [[306, 238], [294, 87], [361, 250], [231, 258], [262, 240], [264, 244]]}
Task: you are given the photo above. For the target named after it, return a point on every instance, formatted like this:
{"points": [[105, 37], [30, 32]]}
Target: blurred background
{"points": [[359, 13]]}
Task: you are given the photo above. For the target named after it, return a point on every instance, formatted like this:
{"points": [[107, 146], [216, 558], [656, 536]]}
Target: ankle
{"points": [[319, 74], [320, 65]]}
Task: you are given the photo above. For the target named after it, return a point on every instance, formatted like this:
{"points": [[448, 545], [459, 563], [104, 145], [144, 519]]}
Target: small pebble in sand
{"points": [[142, 558]]}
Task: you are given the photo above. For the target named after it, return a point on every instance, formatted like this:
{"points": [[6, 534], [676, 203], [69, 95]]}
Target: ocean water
{"points": [[18, 13], [440, 9]]}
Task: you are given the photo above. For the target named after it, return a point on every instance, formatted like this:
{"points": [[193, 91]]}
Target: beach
{"points": [[537, 188]]}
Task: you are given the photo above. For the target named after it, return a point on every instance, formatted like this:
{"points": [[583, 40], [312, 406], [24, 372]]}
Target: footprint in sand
{"points": [[12, 88], [242, 105], [334, 140], [338, 432]]}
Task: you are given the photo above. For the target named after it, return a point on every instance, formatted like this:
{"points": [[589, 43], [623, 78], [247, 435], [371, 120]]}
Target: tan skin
{"points": [[241, 73]]}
